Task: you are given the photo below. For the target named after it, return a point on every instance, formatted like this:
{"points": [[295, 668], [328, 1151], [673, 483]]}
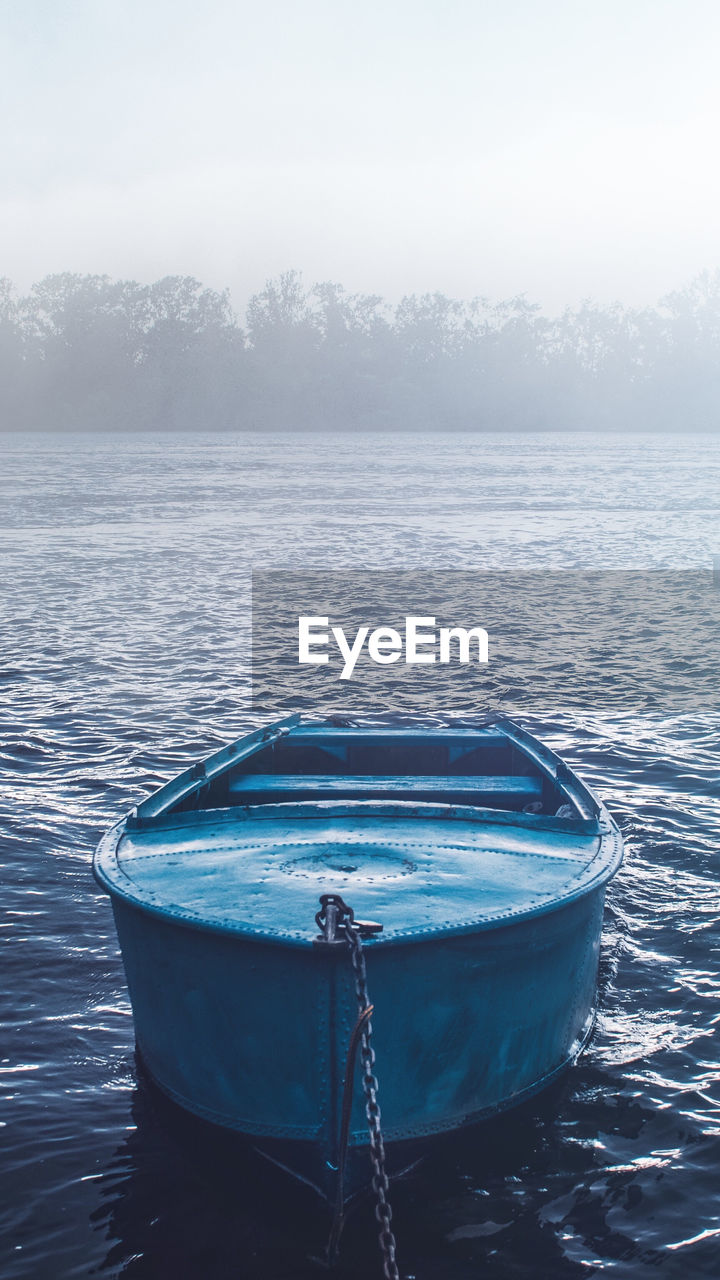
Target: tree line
{"points": [[89, 352]]}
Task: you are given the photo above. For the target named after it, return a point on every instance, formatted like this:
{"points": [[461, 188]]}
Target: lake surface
{"points": [[125, 635]]}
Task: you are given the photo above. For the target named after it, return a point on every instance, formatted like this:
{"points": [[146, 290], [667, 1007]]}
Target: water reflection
{"points": [[183, 1199], [547, 1181]]}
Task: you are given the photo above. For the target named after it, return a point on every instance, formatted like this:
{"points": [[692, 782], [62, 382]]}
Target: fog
{"points": [[89, 352], [564, 151], [499, 194]]}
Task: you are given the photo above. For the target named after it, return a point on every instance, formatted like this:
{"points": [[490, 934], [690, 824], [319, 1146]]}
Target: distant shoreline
{"points": [[81, 350], [361, 433]]}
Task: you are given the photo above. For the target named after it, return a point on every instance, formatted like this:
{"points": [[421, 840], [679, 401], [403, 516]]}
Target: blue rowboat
{"points": [[482, 862]]}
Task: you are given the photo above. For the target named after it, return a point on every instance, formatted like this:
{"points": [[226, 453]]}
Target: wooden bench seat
{"points": [[295, 786]]}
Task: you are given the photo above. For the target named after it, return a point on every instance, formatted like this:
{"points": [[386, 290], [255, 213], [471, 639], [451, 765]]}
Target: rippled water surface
{"points": [[125, 643]]}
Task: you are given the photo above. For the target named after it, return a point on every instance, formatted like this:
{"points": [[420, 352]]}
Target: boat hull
{"points": [[252, 1035]]}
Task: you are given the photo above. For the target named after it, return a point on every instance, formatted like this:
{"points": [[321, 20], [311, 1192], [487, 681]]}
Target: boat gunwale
{"points": [[213, 766], [207, 770], [319, 807]]}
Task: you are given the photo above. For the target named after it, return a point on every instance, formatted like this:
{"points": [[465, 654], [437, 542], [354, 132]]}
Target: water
{"points": [[125, 635]]}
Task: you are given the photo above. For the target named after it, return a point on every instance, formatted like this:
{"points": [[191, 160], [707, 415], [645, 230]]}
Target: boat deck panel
{"points": [[263, 875]]}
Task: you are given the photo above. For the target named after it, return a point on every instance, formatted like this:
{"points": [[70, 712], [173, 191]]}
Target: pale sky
{"points": [[561, 149]]}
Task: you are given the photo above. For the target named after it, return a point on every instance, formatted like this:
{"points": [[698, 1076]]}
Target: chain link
{"points": [[380, 1183]]}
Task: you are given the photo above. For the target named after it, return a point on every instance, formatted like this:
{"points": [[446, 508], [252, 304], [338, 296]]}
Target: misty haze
{"points": [[88, 352]]}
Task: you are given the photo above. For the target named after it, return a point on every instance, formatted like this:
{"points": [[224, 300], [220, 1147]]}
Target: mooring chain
{"points": [[336, 919], [380, 1183]]}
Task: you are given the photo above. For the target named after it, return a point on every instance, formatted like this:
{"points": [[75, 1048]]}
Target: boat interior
{"points": [[486, 767]]}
